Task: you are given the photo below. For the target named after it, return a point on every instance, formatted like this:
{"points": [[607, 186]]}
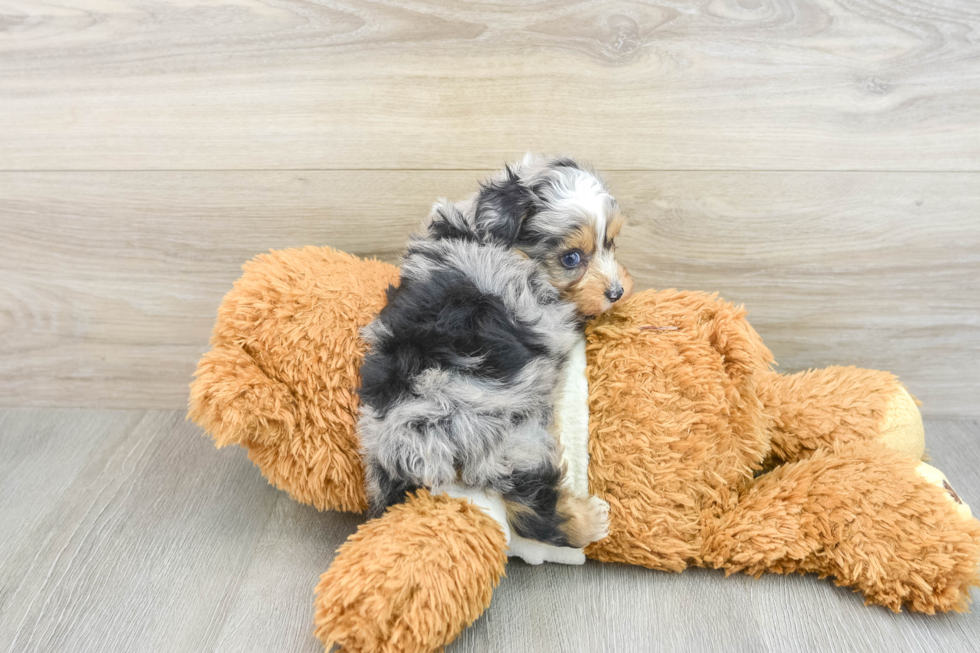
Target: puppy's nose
{"points": [[614, 293]]}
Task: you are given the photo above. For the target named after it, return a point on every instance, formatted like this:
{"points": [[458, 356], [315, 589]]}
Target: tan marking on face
{"points": [[584, 240], [626, 279], [587, 286], [614, 225], [589, 291]]}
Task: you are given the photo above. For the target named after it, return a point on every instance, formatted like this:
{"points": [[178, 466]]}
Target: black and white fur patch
{"points": [[465, 360]]}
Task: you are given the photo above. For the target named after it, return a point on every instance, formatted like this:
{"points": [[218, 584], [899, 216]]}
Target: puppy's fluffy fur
{"points": [[465, 361]]}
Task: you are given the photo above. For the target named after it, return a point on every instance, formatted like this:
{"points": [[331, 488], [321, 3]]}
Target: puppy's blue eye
{"points": [[571, 259]]}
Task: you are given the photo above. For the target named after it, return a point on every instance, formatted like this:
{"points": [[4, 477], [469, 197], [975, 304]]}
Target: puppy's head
{"points": [[561, 215]]}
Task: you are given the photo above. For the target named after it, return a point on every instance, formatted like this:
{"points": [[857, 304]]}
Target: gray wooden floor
{"points": [[126, 530]]}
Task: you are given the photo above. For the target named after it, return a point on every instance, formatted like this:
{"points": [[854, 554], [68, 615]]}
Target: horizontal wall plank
{"points": [[109, 281], [431, 84]]}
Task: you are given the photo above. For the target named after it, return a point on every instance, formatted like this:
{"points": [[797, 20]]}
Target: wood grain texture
{"points": [[109, 282], [127, 530], [279, 123], [338, 84], [137, 548]]}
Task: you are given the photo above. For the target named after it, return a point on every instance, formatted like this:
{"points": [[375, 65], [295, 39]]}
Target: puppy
{"points": [[465, 361]]}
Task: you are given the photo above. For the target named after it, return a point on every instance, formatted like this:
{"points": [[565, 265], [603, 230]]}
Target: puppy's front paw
{"points": [[588, 521]]}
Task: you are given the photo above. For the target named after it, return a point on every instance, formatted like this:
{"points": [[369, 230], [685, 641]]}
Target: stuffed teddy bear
{"points": [[672, 414]]}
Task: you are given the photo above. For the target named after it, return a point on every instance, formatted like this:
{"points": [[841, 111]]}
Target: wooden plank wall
{"points": [[818, 160]]}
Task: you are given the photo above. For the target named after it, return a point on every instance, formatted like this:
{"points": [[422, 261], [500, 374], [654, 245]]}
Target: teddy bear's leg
{"points": [[836, 405], [867, 516], [411, 580]]}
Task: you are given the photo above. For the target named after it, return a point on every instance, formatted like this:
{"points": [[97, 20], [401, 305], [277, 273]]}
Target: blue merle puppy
{"points": [[465, 361]]}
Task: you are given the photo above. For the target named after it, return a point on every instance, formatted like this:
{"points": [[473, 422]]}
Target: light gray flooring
{"points": [[127, 530]]}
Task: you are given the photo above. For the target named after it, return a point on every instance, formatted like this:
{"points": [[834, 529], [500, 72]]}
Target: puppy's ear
{"points": [[446, 221], [502, 207]]}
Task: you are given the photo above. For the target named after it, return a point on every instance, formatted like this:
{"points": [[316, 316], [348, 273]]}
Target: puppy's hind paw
{"points": [[587, 521]]}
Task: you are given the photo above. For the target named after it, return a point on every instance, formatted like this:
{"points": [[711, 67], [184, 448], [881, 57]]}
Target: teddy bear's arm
{"points": [[821, 409], [412, 579], [282, 375], [864, 515]]}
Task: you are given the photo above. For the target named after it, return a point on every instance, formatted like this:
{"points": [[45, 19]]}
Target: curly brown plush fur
{"points": [[705, 455], [681, 420], [424, 586], [282, 375]]}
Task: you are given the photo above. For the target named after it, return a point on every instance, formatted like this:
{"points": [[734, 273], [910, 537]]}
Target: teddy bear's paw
{"points": [[938, 479], [588, 521], [901, 425]]}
